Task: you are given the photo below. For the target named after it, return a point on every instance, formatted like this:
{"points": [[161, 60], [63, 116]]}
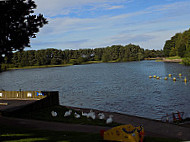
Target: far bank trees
{"points": [[179, 45], [115, 53]]}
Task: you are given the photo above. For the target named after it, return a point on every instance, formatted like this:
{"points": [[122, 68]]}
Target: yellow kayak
{"points": [[124, 133]]}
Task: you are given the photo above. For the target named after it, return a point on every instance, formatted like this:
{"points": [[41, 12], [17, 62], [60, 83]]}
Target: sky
{"points": [[79, 24]]}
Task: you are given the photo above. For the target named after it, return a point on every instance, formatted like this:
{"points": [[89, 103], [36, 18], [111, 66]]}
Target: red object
{"points": [[179, 116], [174, 118], [141, 136], [102, 133]]}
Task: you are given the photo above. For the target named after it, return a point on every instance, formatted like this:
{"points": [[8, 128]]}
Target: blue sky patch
{"points": [[77, 24]]}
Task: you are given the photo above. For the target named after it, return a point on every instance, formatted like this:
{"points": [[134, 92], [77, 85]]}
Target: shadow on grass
{"points": [[8, 133]]}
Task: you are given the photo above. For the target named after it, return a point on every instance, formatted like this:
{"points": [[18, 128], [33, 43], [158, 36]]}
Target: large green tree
{"points": [[18, 24], [178, 45]]}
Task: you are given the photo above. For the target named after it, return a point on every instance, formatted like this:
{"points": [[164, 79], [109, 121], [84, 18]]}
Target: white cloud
{"points": [[115, 7], [149, 28], [63, 7], [172, 6], [64, 25]]}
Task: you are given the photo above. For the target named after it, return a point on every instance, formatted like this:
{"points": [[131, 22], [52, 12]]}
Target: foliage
{"points": [[167, 48], [174, 57], [17, 25], [186, 61], [5, 67], [173, 52], [115, 53], [47, 57], [153, 53], [179, 45]]}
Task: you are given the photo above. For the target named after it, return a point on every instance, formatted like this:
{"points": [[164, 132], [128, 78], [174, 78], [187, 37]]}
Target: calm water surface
{"points": [[118, 87]]}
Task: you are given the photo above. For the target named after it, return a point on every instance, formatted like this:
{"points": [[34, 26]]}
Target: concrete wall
{"points": [[51, 98]]}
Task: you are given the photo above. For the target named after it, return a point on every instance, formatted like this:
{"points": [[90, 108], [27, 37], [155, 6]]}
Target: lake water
{"points": [[116, 87]]}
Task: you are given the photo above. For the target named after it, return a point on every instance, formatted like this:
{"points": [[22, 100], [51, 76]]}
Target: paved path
{"points": [[45, 125], [152, 127]]}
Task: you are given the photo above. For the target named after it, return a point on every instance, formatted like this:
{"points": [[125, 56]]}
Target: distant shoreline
{"points": [[163, 59], [51, 66], [168, 59], [43, 66], [172, 60], [157, 58]]}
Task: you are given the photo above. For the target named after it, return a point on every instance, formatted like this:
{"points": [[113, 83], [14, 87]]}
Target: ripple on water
{"points": [[121, 87]]}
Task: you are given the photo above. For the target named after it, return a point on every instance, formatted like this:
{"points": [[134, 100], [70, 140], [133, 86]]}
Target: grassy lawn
{"points": [[43, 66], [92, 62], [174, 57], [45, 114], [10, 134]]}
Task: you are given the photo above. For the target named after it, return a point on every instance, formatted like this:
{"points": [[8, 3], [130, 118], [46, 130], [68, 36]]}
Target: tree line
{"points": [[179, 45], [114, 53]]}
